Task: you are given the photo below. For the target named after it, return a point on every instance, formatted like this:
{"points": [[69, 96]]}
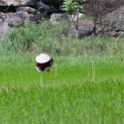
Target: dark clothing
{"points": [[43, 66]]}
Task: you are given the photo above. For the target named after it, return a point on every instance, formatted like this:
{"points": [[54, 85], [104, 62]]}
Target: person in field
{"points": [[44, 62]]}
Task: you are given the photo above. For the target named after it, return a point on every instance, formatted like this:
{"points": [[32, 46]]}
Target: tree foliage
{"points": [[69, 6]]}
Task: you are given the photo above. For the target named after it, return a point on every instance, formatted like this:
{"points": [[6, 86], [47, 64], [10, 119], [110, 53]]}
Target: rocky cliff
{"points": [[28, 2], [15, 13], [17, 2]]}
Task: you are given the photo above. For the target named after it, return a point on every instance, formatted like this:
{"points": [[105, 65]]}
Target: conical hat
{"points": [[43, 58]]}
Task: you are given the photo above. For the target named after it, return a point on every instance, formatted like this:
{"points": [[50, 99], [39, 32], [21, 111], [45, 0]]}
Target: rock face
{"points": [[116, 19], [19, 18], [28, 2], [23, 14], [19, 13], [3, 29], [13, 20], [64, 16], [17, 2], [85, 27]]}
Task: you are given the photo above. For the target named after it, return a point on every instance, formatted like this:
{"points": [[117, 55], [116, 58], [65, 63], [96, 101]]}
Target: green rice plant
{"points": [[77, 90]]}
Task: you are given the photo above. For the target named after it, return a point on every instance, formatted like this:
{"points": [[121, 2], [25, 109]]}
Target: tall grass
{"points": [[45, 37]]}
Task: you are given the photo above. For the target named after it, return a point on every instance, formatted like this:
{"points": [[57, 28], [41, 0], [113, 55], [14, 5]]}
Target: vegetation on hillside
{"points": [[33, 39]]}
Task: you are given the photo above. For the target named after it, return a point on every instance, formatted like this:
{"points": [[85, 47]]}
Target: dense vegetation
{"points": [[85, 85]]}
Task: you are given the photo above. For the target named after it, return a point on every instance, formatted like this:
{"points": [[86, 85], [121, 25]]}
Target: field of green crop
{"points": [[76, 91], [85, 85]]}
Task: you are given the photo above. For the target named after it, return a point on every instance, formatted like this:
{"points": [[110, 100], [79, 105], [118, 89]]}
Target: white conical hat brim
{"points": [[43, 58]]}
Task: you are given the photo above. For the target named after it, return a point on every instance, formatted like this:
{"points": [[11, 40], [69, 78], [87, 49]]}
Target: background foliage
{"points": [[34, 39]]}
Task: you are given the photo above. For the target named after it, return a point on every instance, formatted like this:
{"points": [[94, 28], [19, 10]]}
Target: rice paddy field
{"points": [[85, 85], [76, 91]]}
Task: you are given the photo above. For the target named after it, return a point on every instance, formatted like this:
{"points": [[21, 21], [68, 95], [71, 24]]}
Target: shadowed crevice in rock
{"points": [[7, 9]]}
